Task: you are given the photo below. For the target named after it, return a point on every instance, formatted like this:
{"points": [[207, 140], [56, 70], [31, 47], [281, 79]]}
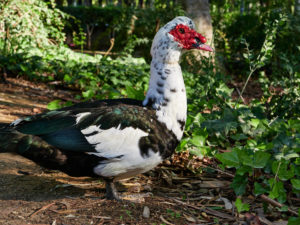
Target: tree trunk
{"points": [[100, 3], [79, 2], [70, 2], [198, 11], [108, 2], [150, 3], [141, 3], [89, 33], [59, 2], [131, 3], [87, 2], [242, 7], [168, 3]]}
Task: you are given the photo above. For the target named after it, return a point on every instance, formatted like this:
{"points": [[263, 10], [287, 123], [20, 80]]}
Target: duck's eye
{"points": [[181, 30]]}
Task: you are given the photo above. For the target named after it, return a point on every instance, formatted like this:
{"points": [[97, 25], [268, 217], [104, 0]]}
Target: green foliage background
{"points": [[260, 141]]}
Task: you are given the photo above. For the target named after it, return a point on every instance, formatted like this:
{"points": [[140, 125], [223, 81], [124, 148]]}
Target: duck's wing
{"points": [[108, 127]]}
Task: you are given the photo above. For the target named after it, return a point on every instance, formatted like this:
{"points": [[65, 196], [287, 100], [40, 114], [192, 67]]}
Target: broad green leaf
{"points": [[182, 143], [229, 159], [291, 155], [243, 170], [294, 221], [88, 94], [240, 206], [239, 137], [255, 122], [295, 124], [251, 143], [277, 190], [239, 184], [260, 159], [67, 78], [281, 169], [259, 189], [198, 140], [198, 119], [56, 104], [199, 151], [24, 68], [296, 183]]}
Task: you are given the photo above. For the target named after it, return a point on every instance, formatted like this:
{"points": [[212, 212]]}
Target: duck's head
{"points": [[179, 34]]}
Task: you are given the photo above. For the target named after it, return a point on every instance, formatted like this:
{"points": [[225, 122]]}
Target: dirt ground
{"points": [[30, 194]]}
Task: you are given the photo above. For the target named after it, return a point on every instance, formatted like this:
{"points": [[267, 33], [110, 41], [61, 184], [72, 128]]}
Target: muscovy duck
{"points": [[120, 138]]}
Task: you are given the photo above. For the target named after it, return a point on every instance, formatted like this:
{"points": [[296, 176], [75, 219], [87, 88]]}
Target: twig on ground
{"points": [[276, 204], [42, 209], [294, 199], [165, 221], [218, 170], [206, 210]]}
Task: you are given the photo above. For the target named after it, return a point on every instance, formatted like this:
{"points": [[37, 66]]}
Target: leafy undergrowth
{"points": [[186, 189]]}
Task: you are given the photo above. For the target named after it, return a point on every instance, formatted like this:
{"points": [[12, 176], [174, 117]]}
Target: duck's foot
{"points": [[112, 194], [136, 198], [111, 191]]}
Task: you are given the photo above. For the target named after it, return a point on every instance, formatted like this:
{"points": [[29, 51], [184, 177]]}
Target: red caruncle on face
{"points": [[187, 37]]}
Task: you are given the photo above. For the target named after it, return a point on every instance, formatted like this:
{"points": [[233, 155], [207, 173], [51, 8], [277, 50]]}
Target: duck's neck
{"points": [[167, 92]]}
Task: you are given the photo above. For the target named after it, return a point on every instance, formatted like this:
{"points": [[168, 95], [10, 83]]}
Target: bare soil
{"points": [[30, 194]]}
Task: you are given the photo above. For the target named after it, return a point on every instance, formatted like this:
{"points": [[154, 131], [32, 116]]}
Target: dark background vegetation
{"points": [[257, 43]]}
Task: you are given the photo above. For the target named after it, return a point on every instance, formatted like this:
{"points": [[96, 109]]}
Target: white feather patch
{"points": [[16, 122], [79, 116], [121, 147]]}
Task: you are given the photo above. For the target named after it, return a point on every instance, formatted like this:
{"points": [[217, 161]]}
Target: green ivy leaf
{"points": [[56, 104], [88, 94], [67, 78], [238, 137], [260, 159], [294, 221], [282, 170], [277, 190], [198, 140], [230, 159], [239, 184], [240, 206], [199, 151], [243, 170], [182, 144], [134, 93], [255, 122], [296, 184], [259, 189]]}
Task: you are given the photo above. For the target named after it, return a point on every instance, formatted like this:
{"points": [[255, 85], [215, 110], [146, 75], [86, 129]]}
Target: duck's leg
{"points": [[111, 191]]}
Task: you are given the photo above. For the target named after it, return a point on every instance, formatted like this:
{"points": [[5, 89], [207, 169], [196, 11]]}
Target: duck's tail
{"points": [[34, 148], [11, 140], [14, 141]]}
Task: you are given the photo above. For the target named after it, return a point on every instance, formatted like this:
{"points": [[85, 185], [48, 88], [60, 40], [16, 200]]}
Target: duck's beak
{"points": [[199, 44], [205, 47]]}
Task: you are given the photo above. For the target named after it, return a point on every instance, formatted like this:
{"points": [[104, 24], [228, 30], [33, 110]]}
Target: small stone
{"points": [[147, 187], [146, 212], [70, 216]]}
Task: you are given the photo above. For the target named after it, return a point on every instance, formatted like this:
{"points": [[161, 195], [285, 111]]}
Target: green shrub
{"points": [[122, 23]]}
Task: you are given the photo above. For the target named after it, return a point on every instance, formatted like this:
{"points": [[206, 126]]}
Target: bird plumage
{"points": [[116, 139]]}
